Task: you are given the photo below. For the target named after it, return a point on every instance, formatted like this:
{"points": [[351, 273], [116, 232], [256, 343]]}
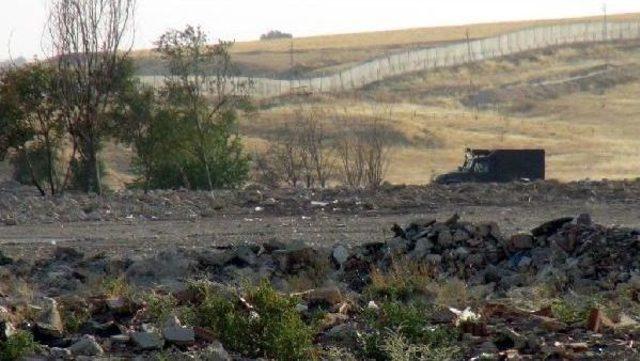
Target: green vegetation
{"points": [[185, 134], [16, 346], [404, 329], [271, 328]]}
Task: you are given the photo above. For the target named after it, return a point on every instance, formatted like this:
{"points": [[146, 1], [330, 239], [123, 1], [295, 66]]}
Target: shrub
{"points": [[160, 307], [18, 345], [402, 282], [398, 326], [273, 328], [275, 34], [399, 349]]}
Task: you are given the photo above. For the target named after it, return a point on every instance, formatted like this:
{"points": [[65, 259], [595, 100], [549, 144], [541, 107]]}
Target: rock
{"points": [[326, 296], [524, 263], [372, 306], [340, 255], [244, 256], [175, 333], [584, 219], [215, 352], [147, 341], [422, 248], [397, 246], [445, 239], [57, 353], [551, 227], [86, 346], [120, 338], [4, 260], [106, 329], [50, 323], [460, 236], [433, 259], [117, 305], [521, 242]]}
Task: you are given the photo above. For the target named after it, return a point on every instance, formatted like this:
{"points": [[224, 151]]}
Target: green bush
{"points": [[16, 346], [273, 328], [404, 326]]}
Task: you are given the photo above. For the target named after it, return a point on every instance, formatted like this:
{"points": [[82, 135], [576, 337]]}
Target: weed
{"points": [[116, 287], [402, 282], [398, 348], [159, 306], [17, 346], [397, 325], [573, 310], [75, 314], [272, 327]]}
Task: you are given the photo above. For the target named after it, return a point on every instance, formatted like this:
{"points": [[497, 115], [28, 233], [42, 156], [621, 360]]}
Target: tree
{"points": [[90, 43], [31, 124], [201, 90], [185, 135]]}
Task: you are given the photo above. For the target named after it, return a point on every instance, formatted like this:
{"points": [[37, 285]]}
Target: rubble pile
{"points": [[571, 253], [574, 251], [24, 205]]}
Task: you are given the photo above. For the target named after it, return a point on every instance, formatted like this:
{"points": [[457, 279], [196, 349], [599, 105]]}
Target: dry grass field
{"points": [[564, 100], [318, 54]]}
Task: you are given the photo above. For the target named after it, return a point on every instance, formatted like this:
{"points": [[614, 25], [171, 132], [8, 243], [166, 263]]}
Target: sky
{"points": [[21, 21]]}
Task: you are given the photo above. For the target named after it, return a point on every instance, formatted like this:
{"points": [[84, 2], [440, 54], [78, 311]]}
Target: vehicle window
{"points": [[481, 167]]}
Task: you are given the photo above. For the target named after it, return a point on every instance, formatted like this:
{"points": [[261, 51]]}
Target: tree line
{"points": [[57, 114]]}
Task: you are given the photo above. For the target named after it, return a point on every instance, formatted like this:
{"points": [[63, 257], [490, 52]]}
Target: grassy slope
{"points": [[589, 132], [589, 129], [331, 52]]}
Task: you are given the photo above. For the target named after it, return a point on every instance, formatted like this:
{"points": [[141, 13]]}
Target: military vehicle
{"points": [[499, 166]]}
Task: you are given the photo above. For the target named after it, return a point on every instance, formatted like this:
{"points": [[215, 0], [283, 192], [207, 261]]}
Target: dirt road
{"points": [[320, 228]]}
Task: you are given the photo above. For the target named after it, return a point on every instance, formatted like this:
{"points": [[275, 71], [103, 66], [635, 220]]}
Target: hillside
{"points": [[322, 54], [565, 100]]}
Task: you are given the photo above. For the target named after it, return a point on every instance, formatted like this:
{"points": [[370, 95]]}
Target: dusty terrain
{"points": [[530, 271], [132, 222]]}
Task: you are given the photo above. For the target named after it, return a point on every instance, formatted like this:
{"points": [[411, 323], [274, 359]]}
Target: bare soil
{"points": [[132, 222]]}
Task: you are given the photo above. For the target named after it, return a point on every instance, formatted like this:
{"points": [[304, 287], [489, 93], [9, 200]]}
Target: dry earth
{"points": [[130, 222]]}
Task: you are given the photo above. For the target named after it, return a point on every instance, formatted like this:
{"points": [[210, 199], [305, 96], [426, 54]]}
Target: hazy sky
{"points": [[21, 20]]}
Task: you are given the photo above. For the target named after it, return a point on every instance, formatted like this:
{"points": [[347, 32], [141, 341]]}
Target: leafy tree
{"points": [[31, 124], [185, 135], [90, 43]]}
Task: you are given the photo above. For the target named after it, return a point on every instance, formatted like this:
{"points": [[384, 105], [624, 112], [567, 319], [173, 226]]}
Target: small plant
{"points": [[116, 287], [399, 329], [16, 346], [271, 326], [160, 307], [575, 309], [401, 282], [74, 315]]}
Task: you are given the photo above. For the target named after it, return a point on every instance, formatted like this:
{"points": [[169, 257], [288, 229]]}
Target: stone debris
{"points": [[570, 254], [146, 341], [86, 346]]}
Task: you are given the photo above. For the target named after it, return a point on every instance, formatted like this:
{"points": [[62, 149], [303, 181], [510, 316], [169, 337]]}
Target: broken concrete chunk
{"points": [[147, 341], [86, 346]]}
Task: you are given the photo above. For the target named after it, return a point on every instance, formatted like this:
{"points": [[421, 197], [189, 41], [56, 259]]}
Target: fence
{"points": [[440, 57]]}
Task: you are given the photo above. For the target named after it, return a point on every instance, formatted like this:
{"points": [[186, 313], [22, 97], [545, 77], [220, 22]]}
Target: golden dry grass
{"points": [[330, 52], [587, 133]]}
